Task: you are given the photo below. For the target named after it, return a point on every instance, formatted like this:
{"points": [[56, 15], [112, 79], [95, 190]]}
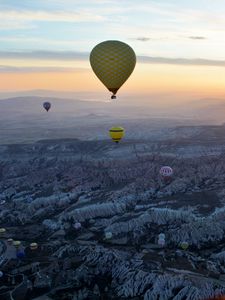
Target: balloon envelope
{"points": [[16, 244], [2, 230], [10, 241], [162, 236], [166, 171], [113, 62], [108, 235], [184, 245], [116, 133], [77, 225], [33, 246], [47, 105]]}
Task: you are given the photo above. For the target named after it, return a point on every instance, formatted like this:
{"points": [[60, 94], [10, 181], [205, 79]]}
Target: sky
{"points": [[179, 44]]}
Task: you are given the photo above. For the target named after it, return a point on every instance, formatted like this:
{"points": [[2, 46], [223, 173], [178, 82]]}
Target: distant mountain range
{"points": [[128, 106], [23, 118]]}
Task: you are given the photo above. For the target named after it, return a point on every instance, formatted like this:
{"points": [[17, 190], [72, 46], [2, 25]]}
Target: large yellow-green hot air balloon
{"points": [[116, 133], [113, 62]]}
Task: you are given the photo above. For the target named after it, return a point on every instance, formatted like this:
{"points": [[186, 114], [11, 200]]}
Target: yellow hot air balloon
{"points": [[116, 133], [113, 62], [16, 244], [33, 246]]}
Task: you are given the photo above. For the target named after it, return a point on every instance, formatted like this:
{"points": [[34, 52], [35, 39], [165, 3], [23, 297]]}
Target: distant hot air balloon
{"points": [[10, 241], [166, 172], [33, 246], [20, 254], [184, 245], [2, 231], [47, 105], [162, 236], [77, 225], [161, 239], [116, 133], [16, 244], [108, 235], [113, 62]]}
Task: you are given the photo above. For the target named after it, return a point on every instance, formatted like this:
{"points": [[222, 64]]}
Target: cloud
{"points": [[55, 16], [20, 19], [45, 55], [143, 39], [14, 69], [197, 37], [84, 56], [181, 61]]}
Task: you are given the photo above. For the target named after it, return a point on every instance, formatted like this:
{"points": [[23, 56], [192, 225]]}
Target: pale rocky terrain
{"points": [[49, 186], [96, 208]]}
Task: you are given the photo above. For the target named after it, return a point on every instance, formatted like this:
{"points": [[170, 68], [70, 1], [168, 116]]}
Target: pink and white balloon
{"points": [[77, 226], [166, 171]]}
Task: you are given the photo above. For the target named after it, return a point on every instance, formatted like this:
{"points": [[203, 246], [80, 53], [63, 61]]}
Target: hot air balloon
{"points": [[116, 133], [47, 106], [16, 244], [77, 225], [166, 171], [20, 254], [113, 62], [161, 239], [162, 236], [108, 235], [2, 231], [10, 241], [33, 246], [184, 245]]}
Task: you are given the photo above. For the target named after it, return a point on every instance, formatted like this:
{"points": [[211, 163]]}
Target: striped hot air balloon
{"points": [[166, 171], [116, 133]]}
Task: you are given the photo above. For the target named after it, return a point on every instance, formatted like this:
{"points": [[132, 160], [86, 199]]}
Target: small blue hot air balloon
{"points": [[20, 254], [47, 106]]}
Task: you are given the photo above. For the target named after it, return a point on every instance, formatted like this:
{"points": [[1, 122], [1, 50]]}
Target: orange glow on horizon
{"points": [[147, 78]]}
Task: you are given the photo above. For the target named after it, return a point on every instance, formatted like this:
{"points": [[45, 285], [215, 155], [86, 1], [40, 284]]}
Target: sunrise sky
{"points": [[180, 44]]}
